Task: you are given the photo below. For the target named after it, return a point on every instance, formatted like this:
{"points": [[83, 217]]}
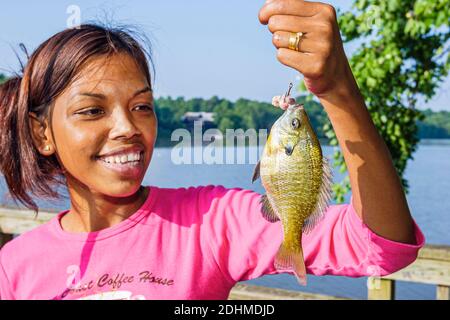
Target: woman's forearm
{"points": [[378, 196]]}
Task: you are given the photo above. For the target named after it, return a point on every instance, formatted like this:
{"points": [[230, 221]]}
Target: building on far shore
{"points": [[206, 119]]}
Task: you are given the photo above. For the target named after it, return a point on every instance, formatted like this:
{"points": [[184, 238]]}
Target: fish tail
{"points": [[288, 258]]}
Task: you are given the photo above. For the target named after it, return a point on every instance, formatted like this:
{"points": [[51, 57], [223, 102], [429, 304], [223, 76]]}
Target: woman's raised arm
{"points": [[378, 197]]}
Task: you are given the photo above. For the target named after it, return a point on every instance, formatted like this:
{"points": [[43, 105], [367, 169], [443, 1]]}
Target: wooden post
{"points": [[380, 289], [4, 238], [443, 293]]}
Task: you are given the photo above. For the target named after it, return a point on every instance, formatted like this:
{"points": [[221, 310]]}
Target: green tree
{"points": [[2, 78], [403, 58]]}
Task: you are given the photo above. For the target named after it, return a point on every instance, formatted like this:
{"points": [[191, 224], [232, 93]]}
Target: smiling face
{"points": [[104, 127]]}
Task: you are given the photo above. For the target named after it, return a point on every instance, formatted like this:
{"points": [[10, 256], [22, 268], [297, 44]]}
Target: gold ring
{"points": [[294, 40]]}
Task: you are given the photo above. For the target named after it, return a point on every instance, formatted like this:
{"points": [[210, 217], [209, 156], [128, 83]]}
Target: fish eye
{"points": [[295, 123]]}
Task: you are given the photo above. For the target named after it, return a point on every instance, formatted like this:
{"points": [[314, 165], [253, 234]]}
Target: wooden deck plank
{"points": [[252, 292]]}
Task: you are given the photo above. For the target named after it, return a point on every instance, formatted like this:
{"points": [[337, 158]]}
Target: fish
{"points": [[297, 178]]}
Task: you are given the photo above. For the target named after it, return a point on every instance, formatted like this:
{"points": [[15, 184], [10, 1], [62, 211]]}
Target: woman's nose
{"points": [[123, 125]]}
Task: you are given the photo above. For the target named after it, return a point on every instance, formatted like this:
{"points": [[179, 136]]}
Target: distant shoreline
{"points": [[435, 141]]}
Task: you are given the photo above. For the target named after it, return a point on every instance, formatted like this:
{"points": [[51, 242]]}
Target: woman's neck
{"points": [[91, 212]]}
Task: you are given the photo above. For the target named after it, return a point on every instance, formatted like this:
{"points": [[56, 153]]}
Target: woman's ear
{"points": [[40, 132]]}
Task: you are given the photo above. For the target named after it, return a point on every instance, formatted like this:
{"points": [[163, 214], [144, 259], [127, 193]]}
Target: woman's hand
{"points": [[321, 57]]}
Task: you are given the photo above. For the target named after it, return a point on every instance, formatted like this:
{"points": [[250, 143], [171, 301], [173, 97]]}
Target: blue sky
{"points": [[201, 48]]}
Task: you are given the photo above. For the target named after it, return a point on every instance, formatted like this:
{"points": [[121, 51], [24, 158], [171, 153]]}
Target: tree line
{"points": [[248, 114], [243, 114]]}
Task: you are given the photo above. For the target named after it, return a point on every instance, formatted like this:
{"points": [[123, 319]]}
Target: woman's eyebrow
{"points": [[102, 96], [143, 90]]}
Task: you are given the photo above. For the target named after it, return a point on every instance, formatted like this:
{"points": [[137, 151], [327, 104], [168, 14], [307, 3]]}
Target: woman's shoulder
{"points": [[201, 194], [194, 204], [29, 243], [187, 189], [203, 189]]}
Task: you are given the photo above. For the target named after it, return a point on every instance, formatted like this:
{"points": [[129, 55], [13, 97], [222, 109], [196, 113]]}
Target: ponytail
{"points": [[24, 169], [9, 151]]}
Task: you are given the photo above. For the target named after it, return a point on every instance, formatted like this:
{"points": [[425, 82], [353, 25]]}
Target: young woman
{"points": [[82, 114]]}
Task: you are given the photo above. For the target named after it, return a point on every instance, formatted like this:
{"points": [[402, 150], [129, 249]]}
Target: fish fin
{"points": [[286, 259], [267, 209], [324, 198], [256, 172]]}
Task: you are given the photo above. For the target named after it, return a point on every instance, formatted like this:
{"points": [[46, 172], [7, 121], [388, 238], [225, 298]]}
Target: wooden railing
{"points": [[431, 267]]}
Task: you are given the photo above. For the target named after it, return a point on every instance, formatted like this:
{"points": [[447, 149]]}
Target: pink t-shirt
{"points": [[187, 243]]}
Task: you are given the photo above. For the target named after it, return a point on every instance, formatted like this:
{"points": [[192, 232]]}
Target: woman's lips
{"points": [[132, 169]]}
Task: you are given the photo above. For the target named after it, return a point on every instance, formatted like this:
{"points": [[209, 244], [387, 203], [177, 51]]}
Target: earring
{"points": [[47, 148]]}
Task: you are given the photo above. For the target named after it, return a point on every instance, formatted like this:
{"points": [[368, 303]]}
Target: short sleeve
{"points": [[244, 243], [342, 244]]}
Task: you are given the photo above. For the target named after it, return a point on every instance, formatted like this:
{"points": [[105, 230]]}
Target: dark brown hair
{"points": [[50, 69]]}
